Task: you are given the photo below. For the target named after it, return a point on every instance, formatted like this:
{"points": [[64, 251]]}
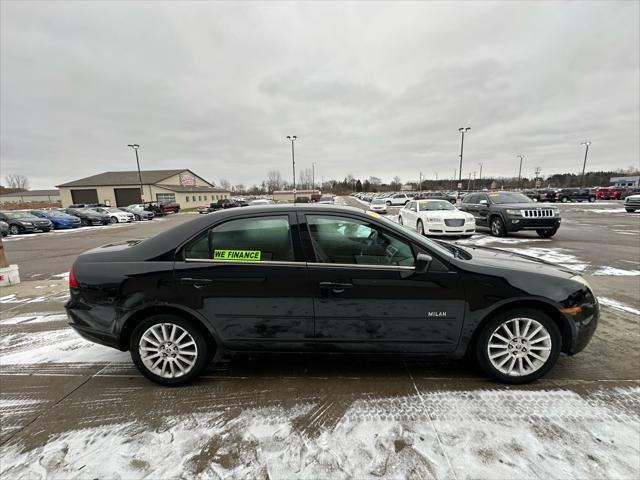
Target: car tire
{"points": [[160, 329], [136, 218], [630, 210], [547, 342], [497, 227], [564, 199], [592, 199], [45, 230], [400, 220], [420, 227], [546, 233], [114, 220], [388, 204], [14, 230], [84, 222]]}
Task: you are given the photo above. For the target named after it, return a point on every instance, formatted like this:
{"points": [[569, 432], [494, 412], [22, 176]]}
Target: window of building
{"points": [[245, 239], [165, 197], [205, 198], [199, 198], [344, 240]]}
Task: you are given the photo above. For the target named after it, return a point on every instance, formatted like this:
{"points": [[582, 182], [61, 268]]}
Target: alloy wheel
{"points": [[14, 230], [519, 347], [113, 220], [168, 350], [420, 228], [496, 227]]}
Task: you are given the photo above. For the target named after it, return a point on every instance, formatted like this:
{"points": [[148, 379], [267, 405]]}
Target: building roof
{"points": [[32, 193], [124, 178], [191, 188]]}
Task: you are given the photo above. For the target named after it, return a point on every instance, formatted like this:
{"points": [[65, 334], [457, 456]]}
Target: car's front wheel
{"points": [[497, 227], [518, 346], [592, 199], [14, 229], [564, 199], [388, 204], [400, 220], [420, 227], [136, 217], [113, 220], [630, 210], [546, 233], [168, 349]]}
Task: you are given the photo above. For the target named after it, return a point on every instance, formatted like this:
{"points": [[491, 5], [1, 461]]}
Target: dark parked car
{"points": [[220, 204], [314, 278], [139, 214], [162, 208], [57, 219], [88, 216], [4, 228], [24, 222], [505, 212], [634, 191], [435, 196], [575, 195]]}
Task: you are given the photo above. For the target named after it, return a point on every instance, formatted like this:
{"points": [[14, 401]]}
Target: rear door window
{"points": [[255, 239]]}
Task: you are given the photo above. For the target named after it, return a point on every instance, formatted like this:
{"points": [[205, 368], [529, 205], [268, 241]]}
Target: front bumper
{"points": [[584, 327], [515, 224], [443, 230]]}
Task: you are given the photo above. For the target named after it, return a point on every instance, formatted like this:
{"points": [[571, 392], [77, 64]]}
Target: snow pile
{"points": [[34, 318], [558, 256], [612, 271], [459, 434], [609, 302]]}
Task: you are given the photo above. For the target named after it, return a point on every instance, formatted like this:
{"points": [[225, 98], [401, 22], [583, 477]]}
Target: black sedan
{"points": [[315, 278], [24, 222], [88, 216]]}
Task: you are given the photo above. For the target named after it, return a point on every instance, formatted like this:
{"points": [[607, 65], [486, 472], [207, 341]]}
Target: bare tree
{"points": [[305, 178], [225, 184], [274, 181], [17, 182]]}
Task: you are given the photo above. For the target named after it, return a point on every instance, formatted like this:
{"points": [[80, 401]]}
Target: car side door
{"points": [[409, 211], [247, 278], [367, 294]]}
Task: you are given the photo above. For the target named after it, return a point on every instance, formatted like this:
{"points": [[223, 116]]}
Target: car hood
{"points": [[525, 206], [488, 257]]}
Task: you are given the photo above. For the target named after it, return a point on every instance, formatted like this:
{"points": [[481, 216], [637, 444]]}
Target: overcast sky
{"points": [[369, 88]]}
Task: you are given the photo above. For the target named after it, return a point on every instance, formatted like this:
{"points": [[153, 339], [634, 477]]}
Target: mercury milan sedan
{"points": [[324, 279], [438, 218]]}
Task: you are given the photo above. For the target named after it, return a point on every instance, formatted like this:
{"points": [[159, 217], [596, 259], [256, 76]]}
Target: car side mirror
{"points": [[422, 262]]}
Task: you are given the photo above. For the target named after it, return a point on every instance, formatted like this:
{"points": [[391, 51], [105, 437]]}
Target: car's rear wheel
{"points": [[388, 204], [630, 210], [137, 217], [14, 230], [420, 227], [592, 199], [564, 199], [497, 227], [547, 233], [168, 349], [518, 346], [84, 222], [400, 220]]}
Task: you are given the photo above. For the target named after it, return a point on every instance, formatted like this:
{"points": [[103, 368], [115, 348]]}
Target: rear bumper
{"points": [[515, 224], [95, 329]]}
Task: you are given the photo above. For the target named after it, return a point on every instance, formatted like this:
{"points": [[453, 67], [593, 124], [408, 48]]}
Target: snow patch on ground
{"points": [[436, 434], [616, 272], [610, 302], [40, 317], [483, 240], [59, 346], [558, 256]]}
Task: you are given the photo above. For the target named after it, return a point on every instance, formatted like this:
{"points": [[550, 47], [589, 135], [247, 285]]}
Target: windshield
{"points": [[437, 205], [509, 197], [420, 239], [18, 214], [376, 201]]}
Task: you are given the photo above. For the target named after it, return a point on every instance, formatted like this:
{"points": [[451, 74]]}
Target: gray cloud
{"points": [[370, 88]]}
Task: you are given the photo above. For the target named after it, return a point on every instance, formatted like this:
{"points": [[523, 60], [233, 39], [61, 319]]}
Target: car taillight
{"points": [[72, 279]]}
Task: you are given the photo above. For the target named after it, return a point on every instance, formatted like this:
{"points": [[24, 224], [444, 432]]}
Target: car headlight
{"points": [[471, 219], [517, 213], [555, 211]]}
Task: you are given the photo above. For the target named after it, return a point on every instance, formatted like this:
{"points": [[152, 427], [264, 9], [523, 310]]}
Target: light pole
{"points": [[135, 147], [313, 175], [520, 171], [584, 165], [462, 130], [420, 186], [292, 138], [480, 176]]}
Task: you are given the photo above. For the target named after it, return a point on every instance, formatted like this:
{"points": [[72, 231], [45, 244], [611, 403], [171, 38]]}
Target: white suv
{"points": [[398, 199]]}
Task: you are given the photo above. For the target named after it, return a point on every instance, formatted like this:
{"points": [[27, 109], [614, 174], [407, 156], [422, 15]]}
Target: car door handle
{"points": [[196, 282], [337, 287]]}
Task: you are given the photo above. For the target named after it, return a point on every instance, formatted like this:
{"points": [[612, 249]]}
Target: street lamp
{"points": [[135, 147], [584, 165], [480, 176], [462, 130], [313, 175], [520, 171], [292, 138]]}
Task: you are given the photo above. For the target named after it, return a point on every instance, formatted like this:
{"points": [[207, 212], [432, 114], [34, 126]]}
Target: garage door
{"points": [[127, 196], [84, 196]]}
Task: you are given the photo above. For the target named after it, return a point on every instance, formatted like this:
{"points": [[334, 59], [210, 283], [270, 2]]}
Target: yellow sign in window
{"points": [[244, 255]]}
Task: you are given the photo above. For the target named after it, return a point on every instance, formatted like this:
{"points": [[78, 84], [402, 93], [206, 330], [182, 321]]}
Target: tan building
{"points": [[123, 188], [287, 195], [31, 196]]}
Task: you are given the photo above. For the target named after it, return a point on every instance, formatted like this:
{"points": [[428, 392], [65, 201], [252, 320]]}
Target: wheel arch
{"points": [[133, 320], [536, 304]]}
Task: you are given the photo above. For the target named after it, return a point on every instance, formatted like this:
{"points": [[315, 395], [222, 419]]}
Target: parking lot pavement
{"points": [[73, 409]]}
